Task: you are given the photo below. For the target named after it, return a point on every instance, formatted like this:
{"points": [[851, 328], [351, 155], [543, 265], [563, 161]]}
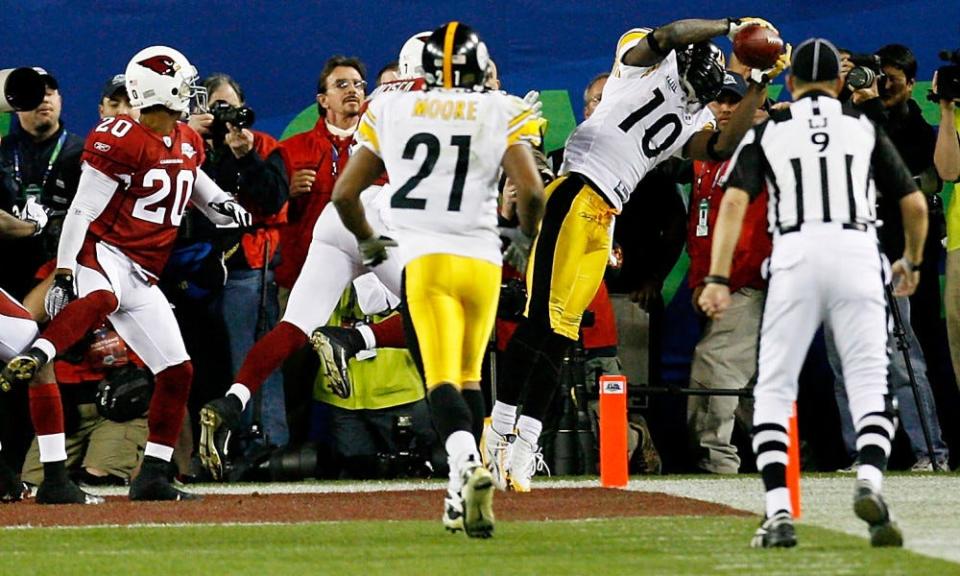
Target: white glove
{"points": [[532, 99], [765, 76], [33, 211], [234, 210], [518, 253], [738, 24], [61, 293]]}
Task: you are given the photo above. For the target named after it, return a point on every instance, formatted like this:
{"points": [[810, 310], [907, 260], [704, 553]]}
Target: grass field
{"points": [[926, 504]]}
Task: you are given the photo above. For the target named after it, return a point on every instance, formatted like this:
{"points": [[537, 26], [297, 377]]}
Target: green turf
{"points": [[618, 546]]}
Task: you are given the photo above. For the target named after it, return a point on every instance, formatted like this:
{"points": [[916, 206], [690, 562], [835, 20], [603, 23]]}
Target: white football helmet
{"points": [[164, 76], [411, 56]]}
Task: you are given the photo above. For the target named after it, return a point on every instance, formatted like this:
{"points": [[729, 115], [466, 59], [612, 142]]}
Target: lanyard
{"points": [[46, 174]]}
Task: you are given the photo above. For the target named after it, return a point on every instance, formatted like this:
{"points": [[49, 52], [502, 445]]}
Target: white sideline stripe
{"points": [[333, 487]]}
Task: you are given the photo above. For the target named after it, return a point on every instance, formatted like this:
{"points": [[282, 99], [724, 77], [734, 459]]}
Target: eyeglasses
{"points": [[343, 84]]}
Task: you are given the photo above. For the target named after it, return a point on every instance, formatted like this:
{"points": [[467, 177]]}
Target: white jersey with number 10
{"points": [[641, 121], [442, 150]]}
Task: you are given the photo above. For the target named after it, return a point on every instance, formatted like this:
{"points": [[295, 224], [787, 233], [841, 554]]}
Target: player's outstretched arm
{"points": [[655, 46], [219, 207], [715, 297], [363, 170], [13, 227], [519, 164]]}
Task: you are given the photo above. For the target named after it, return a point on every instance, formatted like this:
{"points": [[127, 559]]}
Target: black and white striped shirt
{"points": [[823, 162]]}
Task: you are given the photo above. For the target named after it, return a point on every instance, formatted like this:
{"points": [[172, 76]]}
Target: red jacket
{"points": [[318, 150], [268, 225], [754, 245]]}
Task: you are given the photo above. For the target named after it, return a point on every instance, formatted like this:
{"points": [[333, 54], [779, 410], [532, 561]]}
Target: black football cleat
{"points": [[11, 488], [870, 507], [154, 484], [65, 492], [776, 531], [21, 369], [218, 419], [336, 346]]}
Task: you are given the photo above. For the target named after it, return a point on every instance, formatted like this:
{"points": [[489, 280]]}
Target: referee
{"points": [[824, 165]]}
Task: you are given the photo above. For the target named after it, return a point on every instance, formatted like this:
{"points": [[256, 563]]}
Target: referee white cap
{"points": [[815, 60]]}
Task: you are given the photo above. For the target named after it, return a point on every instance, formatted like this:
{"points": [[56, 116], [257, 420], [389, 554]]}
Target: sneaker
{"points": [[335, 351], [526, 460], [453, 512], [776, 531], [153, 483], [65, 493], [496, 450], [851, 469], [477, 501], [22, 368], [922, 464], [870, 507], [218, 419]]}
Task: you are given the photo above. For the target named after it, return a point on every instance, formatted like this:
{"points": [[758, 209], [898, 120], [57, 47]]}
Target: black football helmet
{"points": [[701, 68], [455, 57]]}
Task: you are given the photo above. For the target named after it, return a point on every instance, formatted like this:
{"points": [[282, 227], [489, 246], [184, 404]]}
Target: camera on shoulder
{"points": [[948, 78], [867, 68]]}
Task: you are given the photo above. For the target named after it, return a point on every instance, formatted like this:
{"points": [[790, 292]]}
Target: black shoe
{"points": [[776, 531], [870, 507], [218, 419], [65, 492], [11, 488], [22, 368], [336, 346], [154, 483]]}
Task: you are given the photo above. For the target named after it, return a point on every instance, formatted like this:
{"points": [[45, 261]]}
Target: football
{"points": [[757, 47]]}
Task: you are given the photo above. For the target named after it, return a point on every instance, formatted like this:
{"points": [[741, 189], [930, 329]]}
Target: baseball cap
{"points": [[114, 85], [47, 78], [816, 60], [734, 83]]}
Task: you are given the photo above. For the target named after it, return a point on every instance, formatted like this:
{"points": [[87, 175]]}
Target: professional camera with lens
{"points": [[238, 116], [948, 78], [20, 89], [866, 69]]}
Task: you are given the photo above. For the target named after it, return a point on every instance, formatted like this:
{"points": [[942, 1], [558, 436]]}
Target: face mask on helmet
{"points": [[160, 75], [455, 57], [701, 69], [410, 61]]}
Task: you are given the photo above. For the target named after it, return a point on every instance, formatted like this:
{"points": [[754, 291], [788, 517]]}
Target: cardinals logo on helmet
{"points": [[163, 65]]}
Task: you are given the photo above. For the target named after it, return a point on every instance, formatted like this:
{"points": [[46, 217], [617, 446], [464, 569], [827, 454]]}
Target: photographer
{"points": [[40, 160], [880, 85], [946, 157], [239, 161]]}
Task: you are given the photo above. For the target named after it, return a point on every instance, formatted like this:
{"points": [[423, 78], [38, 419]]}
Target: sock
{"points": [[449, 410], [369, 339], [241, 393], [519, 361], [72, 324], [529, 429], [478, 410], [770, 442], [169, 403], [503, 418], [55, 472], [46, 414], [268, 354], [389, 333], [158, 452], [461, 448], [874, 440], [544, 381]]}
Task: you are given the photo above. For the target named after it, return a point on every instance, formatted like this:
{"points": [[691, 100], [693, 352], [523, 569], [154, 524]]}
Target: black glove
{"points": [[60, 294], [125, 393], [234, 210], [373, 250]]}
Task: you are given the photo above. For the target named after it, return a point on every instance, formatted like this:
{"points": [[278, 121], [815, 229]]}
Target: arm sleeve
{"points": [[264, 181], [205, 191], [94, 192], [628, 40], [890, 174], [746, 168], [367, 132]]}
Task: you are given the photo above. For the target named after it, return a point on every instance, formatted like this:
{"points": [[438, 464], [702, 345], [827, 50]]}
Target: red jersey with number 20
{"points": [[155, 176]]}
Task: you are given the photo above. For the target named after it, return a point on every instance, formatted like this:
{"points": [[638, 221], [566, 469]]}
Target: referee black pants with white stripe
{"points": [[823, 273]]}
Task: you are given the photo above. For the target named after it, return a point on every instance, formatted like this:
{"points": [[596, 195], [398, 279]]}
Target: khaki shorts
{"points": [[112, 447]]}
